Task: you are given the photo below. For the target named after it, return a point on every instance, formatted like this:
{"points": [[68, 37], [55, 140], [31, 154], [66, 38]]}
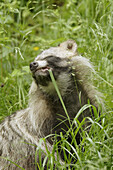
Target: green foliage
{"points": [[26, 28]]}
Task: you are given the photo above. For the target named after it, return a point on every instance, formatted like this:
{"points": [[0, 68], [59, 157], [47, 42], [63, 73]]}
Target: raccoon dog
{"points": [[20, 133]]}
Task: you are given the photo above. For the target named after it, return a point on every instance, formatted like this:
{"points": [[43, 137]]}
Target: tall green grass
{"points": [[28, 27]]}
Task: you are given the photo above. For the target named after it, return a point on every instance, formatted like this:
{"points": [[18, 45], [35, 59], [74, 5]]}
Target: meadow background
{"points": [[28, 27]]}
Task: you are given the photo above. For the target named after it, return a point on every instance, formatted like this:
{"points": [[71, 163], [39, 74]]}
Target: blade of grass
{"points": [[59, 95], [13, 163]]}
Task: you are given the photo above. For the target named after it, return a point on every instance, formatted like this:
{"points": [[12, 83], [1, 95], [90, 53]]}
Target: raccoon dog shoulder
{"points": [[20, 132]]}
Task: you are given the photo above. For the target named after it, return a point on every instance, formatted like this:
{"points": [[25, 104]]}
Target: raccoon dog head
{"points": [[58, 60]]}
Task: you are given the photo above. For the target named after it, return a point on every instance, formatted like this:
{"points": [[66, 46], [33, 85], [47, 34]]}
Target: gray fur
{"points": [[40, 119]]}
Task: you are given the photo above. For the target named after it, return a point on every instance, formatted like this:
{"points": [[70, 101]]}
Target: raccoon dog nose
{"points": [[33, 65]]}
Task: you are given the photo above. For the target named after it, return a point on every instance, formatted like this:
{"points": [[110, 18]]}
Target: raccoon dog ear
{"points": [[69, 45]]}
